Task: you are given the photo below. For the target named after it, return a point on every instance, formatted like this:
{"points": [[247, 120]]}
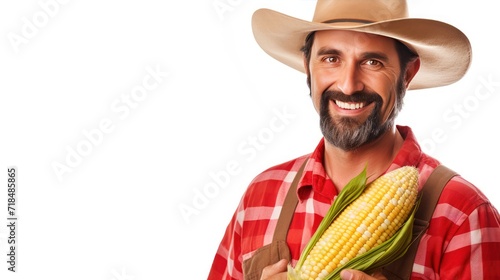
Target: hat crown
{"points": [[333, 11]]}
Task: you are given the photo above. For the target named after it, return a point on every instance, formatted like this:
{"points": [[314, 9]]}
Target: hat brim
{"points": [[445, 52]]}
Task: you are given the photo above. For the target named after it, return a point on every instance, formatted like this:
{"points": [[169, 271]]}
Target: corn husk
{"points": [[379, 256]]}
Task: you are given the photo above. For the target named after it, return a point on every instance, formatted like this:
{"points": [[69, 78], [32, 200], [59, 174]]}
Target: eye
{"points": [[331, 59], [373, 63]]}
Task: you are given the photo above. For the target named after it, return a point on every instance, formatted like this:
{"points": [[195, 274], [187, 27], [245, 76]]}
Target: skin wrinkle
{"points": [[345, 132]]}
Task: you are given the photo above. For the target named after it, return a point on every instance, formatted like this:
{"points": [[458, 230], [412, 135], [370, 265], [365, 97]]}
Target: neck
{"points": [[341, 166]]}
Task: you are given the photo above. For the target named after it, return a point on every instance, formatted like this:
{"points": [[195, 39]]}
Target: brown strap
{"points": [[278, 248], [402, 268], [288, 208], [432, 190]]}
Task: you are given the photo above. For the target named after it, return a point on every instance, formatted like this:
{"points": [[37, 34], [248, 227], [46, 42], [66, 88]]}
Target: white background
{"points": [[115, 213]]}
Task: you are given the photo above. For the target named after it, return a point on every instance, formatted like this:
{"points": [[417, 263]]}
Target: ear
{"points": [[411, 70]]}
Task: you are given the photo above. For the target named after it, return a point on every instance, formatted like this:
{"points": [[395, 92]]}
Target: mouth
{"points": [[357, 105], [350, 105]]}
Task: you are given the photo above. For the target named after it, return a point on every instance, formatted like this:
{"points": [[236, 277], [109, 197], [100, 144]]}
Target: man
{"points": [[360, 57]]}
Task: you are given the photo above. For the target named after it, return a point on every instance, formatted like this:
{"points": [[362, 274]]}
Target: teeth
{"points": [[349, 106]]}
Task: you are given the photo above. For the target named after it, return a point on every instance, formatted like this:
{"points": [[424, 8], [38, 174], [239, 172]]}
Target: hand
{"points": [[351, 274], [275, 271]]}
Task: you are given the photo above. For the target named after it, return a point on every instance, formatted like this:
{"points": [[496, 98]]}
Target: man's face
{"points": [[356, 86]]}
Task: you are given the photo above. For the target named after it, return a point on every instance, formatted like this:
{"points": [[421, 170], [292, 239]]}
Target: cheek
{"points": [[389, 105], [319, 84], [315, 94], [316, 100], [386, 86]]}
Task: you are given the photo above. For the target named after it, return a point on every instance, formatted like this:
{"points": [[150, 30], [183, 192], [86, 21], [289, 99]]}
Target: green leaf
{"points": [[349, 193], [384, 254]]}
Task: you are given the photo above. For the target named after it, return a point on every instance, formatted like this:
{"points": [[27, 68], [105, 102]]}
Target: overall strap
{"points": [[402, 268], [278, 248], [432, 190], [288, 208]]}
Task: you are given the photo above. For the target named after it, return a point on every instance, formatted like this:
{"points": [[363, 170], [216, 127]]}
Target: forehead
{"points": [[352, 40]]}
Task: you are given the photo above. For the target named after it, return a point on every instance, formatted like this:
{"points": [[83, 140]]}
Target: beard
{"points": [[349, 133]]}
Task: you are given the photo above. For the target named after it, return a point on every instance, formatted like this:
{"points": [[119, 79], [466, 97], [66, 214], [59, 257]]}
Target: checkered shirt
{"points": [[462, 242]]}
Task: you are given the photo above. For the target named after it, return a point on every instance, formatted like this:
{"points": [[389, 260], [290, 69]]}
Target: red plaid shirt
{"points": [[462, 242]]}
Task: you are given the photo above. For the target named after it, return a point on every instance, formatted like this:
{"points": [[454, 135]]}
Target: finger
{"points": [[351, 274], [273, 269], [346, 275], [378, 275]]}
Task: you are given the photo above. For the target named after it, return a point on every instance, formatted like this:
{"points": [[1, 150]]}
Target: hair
{"points": [[405, 54], [306, 48]]}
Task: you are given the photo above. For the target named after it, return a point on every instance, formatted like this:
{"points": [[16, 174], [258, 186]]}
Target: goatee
{"points": [[348, 133]]}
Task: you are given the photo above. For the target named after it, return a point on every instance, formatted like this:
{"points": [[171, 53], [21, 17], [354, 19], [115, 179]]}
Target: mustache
{"points": [[359, 96]]}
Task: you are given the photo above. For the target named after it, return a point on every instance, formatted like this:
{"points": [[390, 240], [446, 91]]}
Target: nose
{"points": [[349, 79]]}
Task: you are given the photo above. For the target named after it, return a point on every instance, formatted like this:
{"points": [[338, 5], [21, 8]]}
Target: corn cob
{"points": [[369, 221]]}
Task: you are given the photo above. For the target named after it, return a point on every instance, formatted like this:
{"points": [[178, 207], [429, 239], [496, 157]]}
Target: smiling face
{"points": [[357, 85]]}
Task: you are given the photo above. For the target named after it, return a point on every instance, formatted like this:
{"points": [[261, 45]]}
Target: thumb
{"points": [[280, 266], [352, 274], [346, 274]]}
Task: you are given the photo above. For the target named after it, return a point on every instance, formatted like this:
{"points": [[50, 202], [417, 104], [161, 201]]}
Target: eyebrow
{"points": [[328, 51], [366, 55]]}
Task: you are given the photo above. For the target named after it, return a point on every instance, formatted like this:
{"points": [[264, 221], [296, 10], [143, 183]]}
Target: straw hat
{"points": [[445, 52]]}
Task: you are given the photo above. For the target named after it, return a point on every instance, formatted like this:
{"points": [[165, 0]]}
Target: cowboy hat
{"points": [[445, 52]]}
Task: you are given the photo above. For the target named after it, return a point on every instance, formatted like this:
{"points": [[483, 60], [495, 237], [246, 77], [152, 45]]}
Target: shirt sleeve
{"points": [[473, 251], [227, 263], [463, 238]]}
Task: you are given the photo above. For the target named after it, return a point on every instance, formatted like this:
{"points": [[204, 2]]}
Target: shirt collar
{"points": [[315, 178]]}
